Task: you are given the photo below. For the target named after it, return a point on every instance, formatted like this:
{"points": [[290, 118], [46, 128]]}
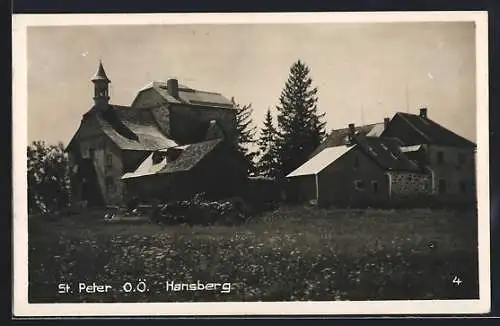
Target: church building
{"points": [[172, 141]]}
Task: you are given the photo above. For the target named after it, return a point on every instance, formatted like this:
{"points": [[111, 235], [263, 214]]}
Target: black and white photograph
{"points": [[221, 164]]}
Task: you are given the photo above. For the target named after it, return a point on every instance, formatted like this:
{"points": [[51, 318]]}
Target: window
{"points": [[442, 186], [461, 159], [110, 184], [109, 160], [359, 185], [463, 187], [158, 157], [375, 187], [440, 157]]}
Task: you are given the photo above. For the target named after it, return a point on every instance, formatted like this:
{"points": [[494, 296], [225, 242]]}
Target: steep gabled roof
{"points": [[385, 152], [189, 157], [128, 128], [319, 162], [133, 129], [431, 132], [338, 137]]}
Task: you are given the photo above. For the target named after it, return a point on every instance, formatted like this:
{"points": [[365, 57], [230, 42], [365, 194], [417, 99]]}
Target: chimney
{"points": [[386, 122], [350, 135], [173, 87], [423, 113], [351, 129]]}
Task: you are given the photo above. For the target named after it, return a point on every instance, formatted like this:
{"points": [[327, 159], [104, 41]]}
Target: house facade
{"points": [[115, 140], [368, 171], [450, 157], [406, 159]]}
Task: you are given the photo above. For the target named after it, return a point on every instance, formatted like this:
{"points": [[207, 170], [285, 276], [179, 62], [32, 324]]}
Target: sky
{"points": [[363, 71]]}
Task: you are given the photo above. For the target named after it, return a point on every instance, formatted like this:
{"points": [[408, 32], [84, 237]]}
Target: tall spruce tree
{"points": [[245, 134], [268, 162], [300, 126]]}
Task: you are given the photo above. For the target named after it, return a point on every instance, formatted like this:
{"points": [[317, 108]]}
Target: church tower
{"points": [[101, 88]]}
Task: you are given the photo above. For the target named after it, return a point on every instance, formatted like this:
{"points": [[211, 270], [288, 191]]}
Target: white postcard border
{"points": [[21, 307]]}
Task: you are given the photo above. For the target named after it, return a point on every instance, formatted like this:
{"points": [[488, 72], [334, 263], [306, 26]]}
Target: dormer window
{"points": [[173, 153], [158, 157]]}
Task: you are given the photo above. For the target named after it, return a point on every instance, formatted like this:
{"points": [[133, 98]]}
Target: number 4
{"points": [[457, 280]]}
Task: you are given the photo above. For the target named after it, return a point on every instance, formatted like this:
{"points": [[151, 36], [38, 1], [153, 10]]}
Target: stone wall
{"points": [[162, 117], [183, 122], [148, 98], [108, 167], [407, 184]]}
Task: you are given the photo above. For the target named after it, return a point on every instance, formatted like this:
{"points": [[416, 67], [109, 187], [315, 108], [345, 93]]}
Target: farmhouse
{"points": [[450, 157], [170, 136], [406, 158]]}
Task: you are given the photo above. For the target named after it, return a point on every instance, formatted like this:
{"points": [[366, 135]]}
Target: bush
{"points": [[200, 211], [49, 188]]}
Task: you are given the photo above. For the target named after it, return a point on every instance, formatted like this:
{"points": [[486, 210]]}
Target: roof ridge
{"points": [[358, 126]]}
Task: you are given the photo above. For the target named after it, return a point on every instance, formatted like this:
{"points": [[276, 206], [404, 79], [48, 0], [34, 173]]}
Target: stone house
{"points": [[404, 159], [450, 157], [114, 140], [367, 171]]}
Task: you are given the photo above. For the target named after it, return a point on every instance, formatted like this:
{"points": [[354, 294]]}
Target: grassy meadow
{"points": [[294, 253]]}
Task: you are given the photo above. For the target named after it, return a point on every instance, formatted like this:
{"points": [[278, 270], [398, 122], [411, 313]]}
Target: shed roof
{"points": [[320, 161]]}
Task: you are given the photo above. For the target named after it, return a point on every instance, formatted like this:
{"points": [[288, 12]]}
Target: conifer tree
{"points": [[245, 134], [300, 126], [268, 162]]}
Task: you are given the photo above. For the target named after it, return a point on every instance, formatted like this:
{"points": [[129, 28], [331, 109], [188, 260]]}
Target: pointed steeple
{"points": [[101, 88], [101, 74]]}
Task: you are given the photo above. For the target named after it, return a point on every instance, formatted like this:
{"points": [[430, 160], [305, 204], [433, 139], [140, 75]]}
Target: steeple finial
{"points": [[101, 74]]}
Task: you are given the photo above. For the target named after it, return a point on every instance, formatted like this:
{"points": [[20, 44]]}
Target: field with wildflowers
{"points": [[289, 254]]}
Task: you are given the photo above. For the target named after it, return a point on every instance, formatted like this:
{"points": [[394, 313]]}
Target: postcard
{"points": [[251, 164]]}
